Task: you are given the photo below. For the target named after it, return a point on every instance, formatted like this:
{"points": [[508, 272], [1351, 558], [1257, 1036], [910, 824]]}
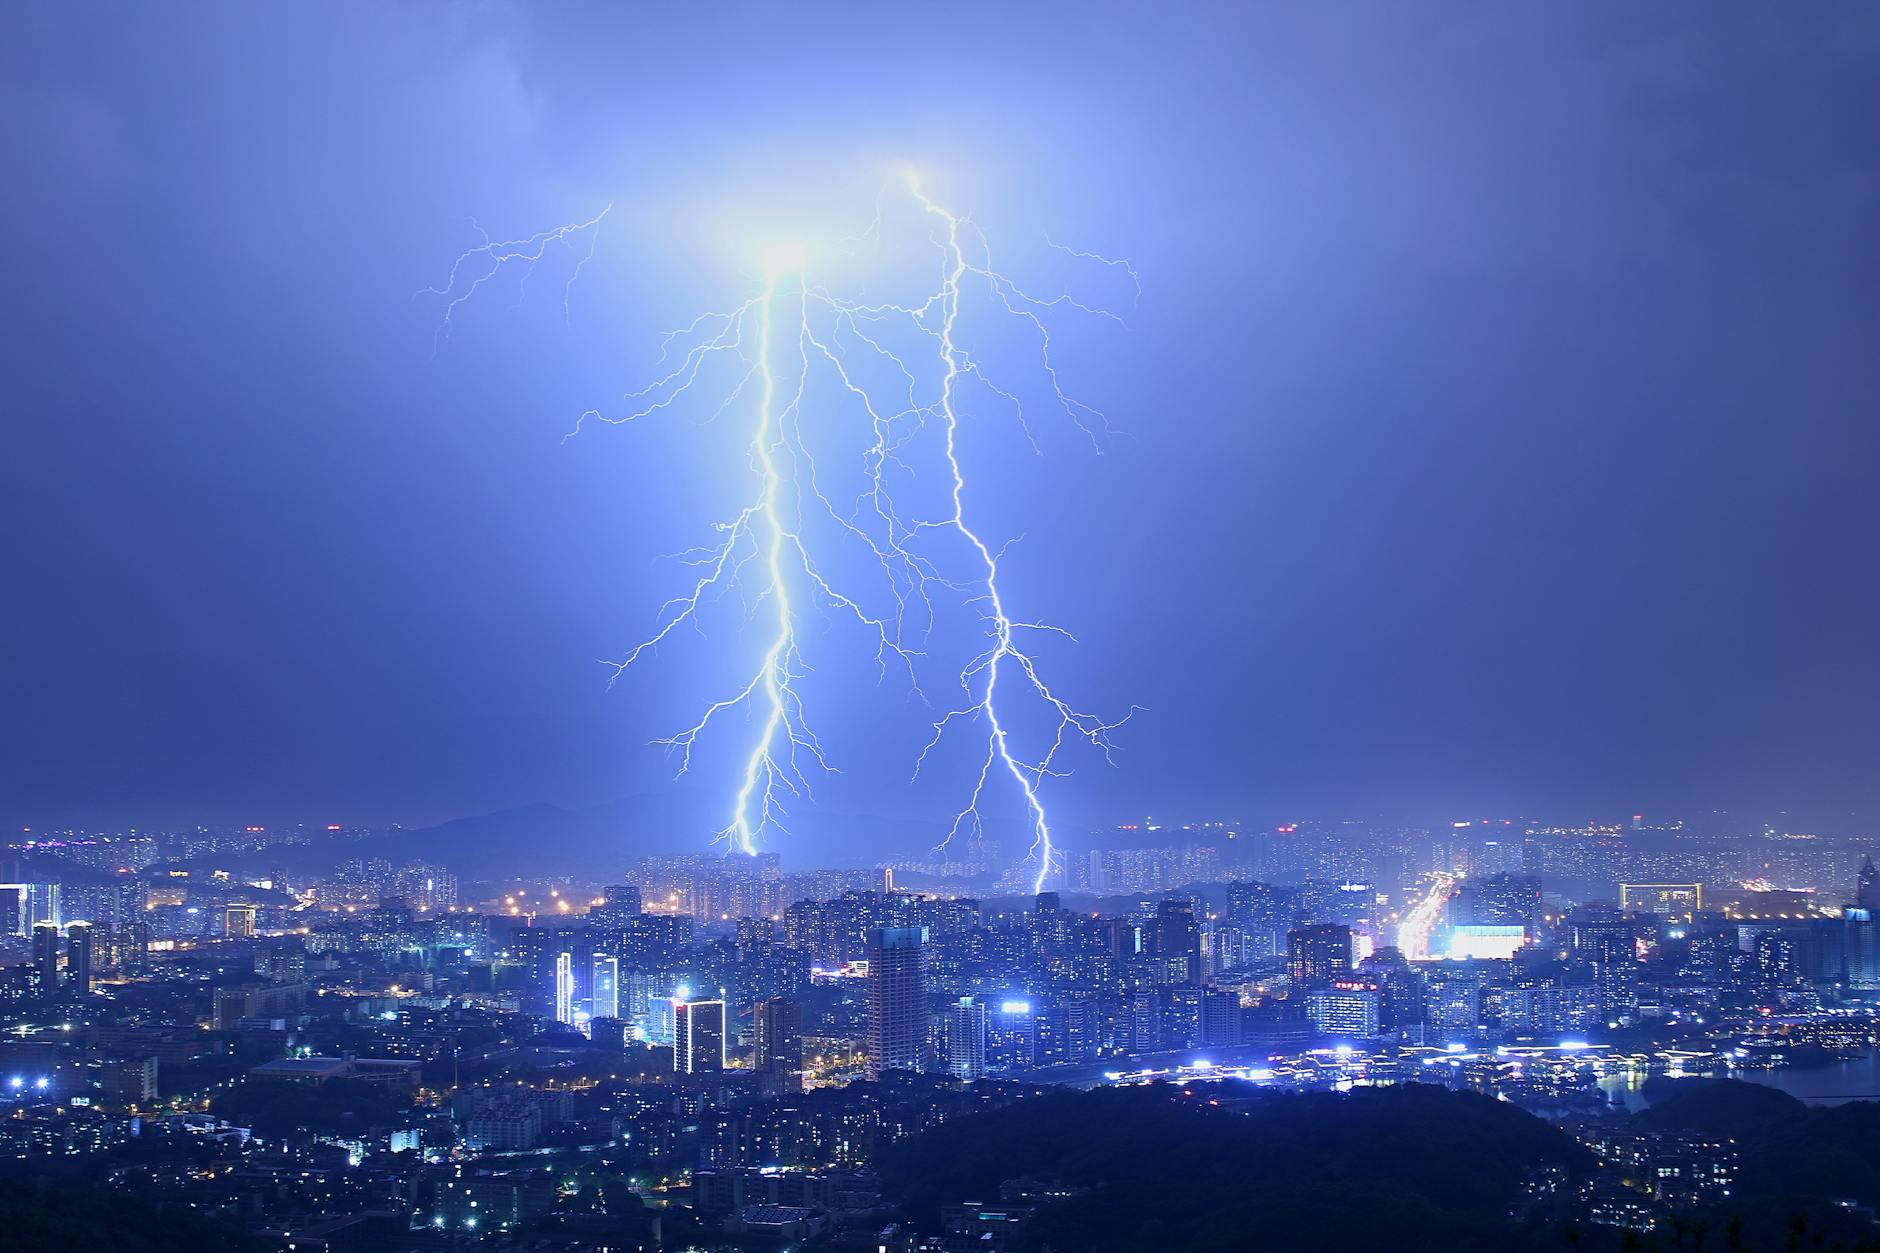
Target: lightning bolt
{"points": [[768, 532], [477, 266], [980, 679], [766, 549]]}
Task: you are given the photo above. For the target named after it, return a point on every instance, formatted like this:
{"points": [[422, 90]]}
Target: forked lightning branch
{"points": [[895, 385]]}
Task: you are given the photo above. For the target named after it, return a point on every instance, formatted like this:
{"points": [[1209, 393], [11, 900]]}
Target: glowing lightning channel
{"points": [[477, 266], [768, 533], [1029, 776], [759, 762], [776, 770]]}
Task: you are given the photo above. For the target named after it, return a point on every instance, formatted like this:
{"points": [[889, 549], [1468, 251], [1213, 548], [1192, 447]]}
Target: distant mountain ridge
{"points": [[604, 841]]}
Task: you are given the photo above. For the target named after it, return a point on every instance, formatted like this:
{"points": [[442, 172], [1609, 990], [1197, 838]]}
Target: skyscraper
{"points": [[46, 956], [1176, 938], [78, 957], [1318, 952], [46, 903], [777, 1024], [1265, 913], [564, 986], [16, 908], [620, 904], [966, 1039], [605, 1001], [1867, 888], [897, 999], [1500, 898], [698, 1036]]}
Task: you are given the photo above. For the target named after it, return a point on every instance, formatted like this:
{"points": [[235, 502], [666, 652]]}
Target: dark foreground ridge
{"points": [[1231, 1168]]}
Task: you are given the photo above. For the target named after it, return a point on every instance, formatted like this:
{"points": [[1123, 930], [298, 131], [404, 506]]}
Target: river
{"points": [[1833, 1084]]}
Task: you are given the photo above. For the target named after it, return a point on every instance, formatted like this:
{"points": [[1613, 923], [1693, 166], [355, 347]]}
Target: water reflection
{"points": [[1834, 1084]]}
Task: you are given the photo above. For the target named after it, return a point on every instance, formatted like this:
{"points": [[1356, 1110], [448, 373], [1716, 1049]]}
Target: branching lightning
{"points": [[919, 566], [979, 681]]}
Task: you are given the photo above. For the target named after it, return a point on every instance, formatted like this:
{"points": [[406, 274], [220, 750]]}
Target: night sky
{"points": [[1496, 428]]}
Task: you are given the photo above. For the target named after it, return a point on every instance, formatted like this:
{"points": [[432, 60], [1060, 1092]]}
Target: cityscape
{"points": [[718, 1051], [1077, 627]]}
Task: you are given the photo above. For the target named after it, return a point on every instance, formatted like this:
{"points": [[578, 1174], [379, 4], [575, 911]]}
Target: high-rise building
{"points": [[1176, 938], [1453, 1008], [1264, 914], [1319, 952], [1400, 989], [134, 945], [620, 904], [46, 902], [777, 1028], [897, 999], [1549, 1010], [1012, 1032], [1600, 931], [16, 908], [78, 957], [1350, 1008], [1050, 925], [698, 1036], [564, 986], [46, 956], [1507, 899], [1615, 984], [966, 1040], [1220, 1018], [605, 1002], [1867, 888], [238, 921]]}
